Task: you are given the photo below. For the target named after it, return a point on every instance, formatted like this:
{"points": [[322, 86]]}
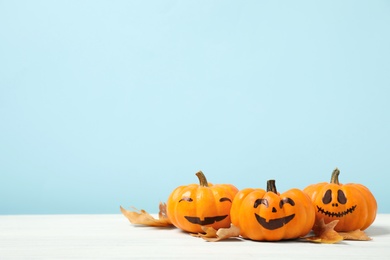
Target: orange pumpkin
{"points": [[266, 215], [352, 204], [191, 206]]}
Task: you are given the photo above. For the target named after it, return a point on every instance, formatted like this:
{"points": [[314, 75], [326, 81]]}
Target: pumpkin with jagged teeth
{"points": [[352, 204]]}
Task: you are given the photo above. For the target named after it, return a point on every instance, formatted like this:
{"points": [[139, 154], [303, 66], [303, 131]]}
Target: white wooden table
{"points": [[113, 237]]}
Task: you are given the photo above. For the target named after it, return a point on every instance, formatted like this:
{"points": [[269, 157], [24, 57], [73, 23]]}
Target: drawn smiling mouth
{"points": [[336, 214], [206, 221], [274, 223]]}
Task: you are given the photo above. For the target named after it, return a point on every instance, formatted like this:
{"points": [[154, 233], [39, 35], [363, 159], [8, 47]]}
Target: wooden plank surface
{"points": [[113, 237]]}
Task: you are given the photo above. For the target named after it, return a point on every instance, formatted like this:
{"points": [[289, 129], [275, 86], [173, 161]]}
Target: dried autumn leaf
{"points": [[162, 214], [209, 232], [144, 218], [355, 235], [325, 233], [221, 234]]}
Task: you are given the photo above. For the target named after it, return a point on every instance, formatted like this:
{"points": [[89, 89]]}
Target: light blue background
{"points": [[109, 103]]}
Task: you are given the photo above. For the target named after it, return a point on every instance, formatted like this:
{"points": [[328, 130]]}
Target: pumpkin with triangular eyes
{"points": [[267, 215], [353, 205], [189, 207]]}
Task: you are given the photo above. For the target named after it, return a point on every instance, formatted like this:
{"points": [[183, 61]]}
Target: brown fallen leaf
{"points": [[355, 235], [212, 235], [162, 214], [209, 232], [325, 233], [141, 217]]}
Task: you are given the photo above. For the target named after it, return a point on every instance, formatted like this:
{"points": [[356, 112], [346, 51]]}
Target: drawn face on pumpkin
{"points": [[272, 209], [352, 204], [192, 206], [206, 220], [335, 204], [267, 215]]}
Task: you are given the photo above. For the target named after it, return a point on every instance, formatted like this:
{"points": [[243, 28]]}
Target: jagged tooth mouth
{"points": [[336, 214]]}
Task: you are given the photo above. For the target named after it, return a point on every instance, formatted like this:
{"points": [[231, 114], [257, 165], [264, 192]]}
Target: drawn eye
{"points": [[224, 199], [327, 197], [186, 199], [341, 197], [261, 201], [286, 200]]}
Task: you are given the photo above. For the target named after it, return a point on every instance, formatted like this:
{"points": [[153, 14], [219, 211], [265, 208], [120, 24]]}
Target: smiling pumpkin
{"points": [[266, 215], [192, 206], [352, 204], [275, 223]]}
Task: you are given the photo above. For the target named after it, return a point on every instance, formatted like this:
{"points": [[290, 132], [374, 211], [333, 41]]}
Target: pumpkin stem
{"points": [[335, 176], [202, 179], [271, 186]]}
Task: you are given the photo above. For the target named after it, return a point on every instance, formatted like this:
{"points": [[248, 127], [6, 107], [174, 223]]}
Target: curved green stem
{"points": [[335, 176], [202, 179]]}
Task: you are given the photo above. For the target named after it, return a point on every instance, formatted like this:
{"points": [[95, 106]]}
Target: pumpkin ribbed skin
{"points": [[266, 215], [352, 204], [191, 206]]}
